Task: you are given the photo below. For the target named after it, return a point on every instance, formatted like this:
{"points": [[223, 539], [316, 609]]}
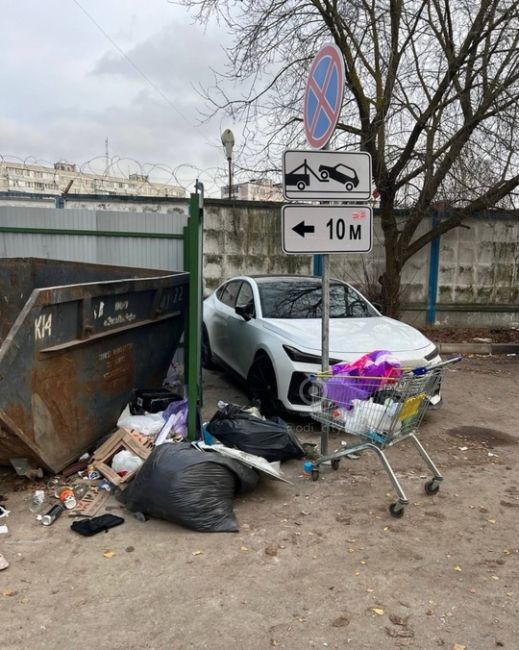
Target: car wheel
{"points": [[349, 187], [207, 355], [324, 175], [262, 385], [301, 186]]}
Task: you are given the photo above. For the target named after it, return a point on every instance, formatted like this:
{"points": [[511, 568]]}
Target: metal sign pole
{"points": [[325, 331]]}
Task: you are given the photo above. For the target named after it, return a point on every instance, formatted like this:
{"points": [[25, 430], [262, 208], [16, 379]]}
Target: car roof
{"points": [[260, 279]]}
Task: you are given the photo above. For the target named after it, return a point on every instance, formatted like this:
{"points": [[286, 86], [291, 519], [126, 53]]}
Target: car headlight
{"points": [[432, 355], [304, 357]]}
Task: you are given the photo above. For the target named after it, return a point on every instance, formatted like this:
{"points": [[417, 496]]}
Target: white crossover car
{"points": [[267, 330]]}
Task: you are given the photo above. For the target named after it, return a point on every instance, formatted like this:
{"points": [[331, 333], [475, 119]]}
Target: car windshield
{"points": [[301, 298]]}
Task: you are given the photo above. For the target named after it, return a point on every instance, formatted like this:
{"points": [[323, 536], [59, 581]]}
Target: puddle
{"points": [[483, 435]]}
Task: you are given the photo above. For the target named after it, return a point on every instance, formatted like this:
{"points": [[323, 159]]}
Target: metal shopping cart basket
{"points": [[393, 412]]}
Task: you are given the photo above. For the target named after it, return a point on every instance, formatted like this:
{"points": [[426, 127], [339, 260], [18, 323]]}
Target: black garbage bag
{"points": [[188, 486], [271, 439]]}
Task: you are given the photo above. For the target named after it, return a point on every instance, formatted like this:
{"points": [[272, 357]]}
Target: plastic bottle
{"points": [[39, 502], [307, 467]]}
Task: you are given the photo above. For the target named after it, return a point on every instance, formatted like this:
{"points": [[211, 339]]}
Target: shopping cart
{"points": [[393, 412]]}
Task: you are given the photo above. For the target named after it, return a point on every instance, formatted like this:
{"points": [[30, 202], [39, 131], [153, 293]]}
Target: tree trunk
{"points": [[390, 281]]}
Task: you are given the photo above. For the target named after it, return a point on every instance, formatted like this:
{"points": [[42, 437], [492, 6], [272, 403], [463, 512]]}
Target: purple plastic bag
{"points": [[181, 407], [361, 378]]}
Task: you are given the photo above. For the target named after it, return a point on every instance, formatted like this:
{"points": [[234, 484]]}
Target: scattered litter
{"points": [[108, 554], [185, 485], [149, 424], [4, 530], [197, 553], [271, 470], [457, 568], [151, 400], [50, 517], [242, 429], [91, 503], [4, 512], [124, 462], [90, 527], [3, 563], [378, 611], [463, 448], [24, 467], [117, 442]]}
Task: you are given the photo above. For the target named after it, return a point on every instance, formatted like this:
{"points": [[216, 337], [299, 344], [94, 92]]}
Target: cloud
{"points": [[176, 56], [66, 89]]}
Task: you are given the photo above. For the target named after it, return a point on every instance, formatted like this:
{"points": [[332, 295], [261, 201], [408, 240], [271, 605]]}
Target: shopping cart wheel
{"points": [[396, 509], [315, 474], [431, 487], [335, 463]]}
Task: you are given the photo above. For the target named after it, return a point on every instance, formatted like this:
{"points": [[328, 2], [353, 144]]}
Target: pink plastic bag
{"points": [[361, 378]]}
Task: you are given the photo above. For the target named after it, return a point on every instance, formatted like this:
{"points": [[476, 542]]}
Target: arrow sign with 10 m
{"points": [[327, 229]]}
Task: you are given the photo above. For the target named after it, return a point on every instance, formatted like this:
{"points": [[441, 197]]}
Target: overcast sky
{"points": [[65, 88]]}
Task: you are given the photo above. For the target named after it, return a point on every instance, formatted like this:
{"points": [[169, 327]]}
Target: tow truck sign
{"points": [[327, 175]]}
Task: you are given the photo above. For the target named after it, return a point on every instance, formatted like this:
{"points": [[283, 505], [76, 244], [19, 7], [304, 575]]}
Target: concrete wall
{"points": [[478, 272]]}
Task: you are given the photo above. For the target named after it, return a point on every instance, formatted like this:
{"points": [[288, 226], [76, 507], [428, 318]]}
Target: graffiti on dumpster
{"points": [[43, 326], [120, 319]]}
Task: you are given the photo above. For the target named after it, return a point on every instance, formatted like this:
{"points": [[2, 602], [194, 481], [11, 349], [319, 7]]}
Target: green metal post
{"points": [[192, 263]]}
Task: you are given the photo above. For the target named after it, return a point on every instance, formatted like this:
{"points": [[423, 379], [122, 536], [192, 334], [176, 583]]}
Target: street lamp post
{"points": [[228, 143]]}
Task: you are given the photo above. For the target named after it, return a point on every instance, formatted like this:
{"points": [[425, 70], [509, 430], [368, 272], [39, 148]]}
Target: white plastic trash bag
{"points": [[149, 424]]}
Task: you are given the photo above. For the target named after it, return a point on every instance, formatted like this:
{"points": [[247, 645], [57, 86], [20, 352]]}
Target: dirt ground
{"points": [[315, 565], [472, 334]]}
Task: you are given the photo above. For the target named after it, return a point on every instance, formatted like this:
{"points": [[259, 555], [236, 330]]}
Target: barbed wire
{"points": [[146, 176]]}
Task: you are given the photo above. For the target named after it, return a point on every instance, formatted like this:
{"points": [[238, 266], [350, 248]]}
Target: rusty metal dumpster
{"points": [[75, 339]]}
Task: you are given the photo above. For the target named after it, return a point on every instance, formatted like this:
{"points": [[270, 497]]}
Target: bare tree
{"points": [[432, 94]]}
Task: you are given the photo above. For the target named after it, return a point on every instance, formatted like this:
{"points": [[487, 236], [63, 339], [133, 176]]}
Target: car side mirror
{"points": [[244, 311]]}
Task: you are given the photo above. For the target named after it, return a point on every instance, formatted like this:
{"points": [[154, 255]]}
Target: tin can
{"points": [[68, 498], [53, 514], [92, 473]]}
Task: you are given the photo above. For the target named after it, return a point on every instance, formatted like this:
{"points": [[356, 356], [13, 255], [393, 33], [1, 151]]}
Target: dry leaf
{"points": [[457, 568], [244, 548], [10, 592], [271, 550], [357, 573], [197, 553], [342, 621], [378, 611], [458, 646], [108, 554], [399, 632], [398, 620]]}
